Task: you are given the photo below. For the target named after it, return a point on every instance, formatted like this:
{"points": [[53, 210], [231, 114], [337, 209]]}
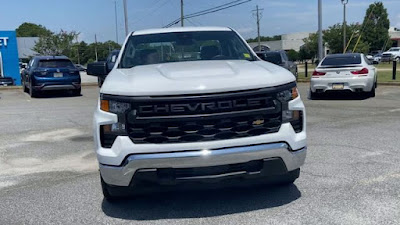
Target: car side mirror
{"points": [[97, 69]]}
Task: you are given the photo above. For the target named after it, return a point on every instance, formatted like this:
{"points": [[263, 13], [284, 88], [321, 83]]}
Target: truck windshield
{"points": [[184, 46], [56, 63]]}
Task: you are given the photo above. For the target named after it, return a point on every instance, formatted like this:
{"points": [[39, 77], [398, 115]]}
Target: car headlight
{"points": [[109, 132], [294, 117]]}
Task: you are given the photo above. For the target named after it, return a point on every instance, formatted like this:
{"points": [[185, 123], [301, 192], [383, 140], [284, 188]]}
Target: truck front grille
{"points": [[204, 118]]}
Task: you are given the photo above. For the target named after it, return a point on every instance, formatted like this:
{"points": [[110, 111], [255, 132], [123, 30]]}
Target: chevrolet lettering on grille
{"points": [[205, 106]]}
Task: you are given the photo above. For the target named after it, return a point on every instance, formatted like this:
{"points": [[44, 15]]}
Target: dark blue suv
{"points": [[51, 73]]}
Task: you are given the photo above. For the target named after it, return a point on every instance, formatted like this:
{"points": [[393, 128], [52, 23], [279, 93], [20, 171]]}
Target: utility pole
{"points": [[126, 18], [320, 45], [182, 25], [258, 16], [95, 46], [116, 21], [344, 2]]}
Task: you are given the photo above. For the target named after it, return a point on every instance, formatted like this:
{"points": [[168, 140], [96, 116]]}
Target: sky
{"points": [[90, 17]]}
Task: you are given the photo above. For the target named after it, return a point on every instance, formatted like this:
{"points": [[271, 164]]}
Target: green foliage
{"points": [[62, 43], [310, 48], [262, 38], [87, 53], [56, 44], [293, 55], [376, 25], [32, 30], [333, 37]]}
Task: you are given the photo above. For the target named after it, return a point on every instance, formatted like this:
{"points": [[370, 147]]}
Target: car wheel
{"points": [[77, 92], [32, 92], [313, 95], [398, 59], [372, 92], [106, 193], [24, 86]]}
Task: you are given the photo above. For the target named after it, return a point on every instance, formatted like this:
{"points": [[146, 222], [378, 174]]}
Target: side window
{"points": [[284, 57], [114, 58], [367, 60]]}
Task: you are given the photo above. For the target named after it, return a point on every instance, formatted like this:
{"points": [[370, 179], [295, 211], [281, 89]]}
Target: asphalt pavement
{"points": [[49, 175]]}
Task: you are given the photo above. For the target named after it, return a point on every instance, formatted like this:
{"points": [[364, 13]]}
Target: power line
{"points": [[208, 11]]}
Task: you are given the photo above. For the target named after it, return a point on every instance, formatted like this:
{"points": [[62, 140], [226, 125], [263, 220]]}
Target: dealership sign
{"points": [[9, 55], [3, 41]]}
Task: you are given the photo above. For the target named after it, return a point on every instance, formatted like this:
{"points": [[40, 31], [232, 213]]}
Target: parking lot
{"points": [[49, 173]]}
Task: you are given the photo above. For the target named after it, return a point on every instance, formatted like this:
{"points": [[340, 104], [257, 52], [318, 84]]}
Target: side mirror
{"points": [[97, 69]]}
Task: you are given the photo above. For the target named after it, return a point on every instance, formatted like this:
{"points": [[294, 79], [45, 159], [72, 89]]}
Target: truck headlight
{"points": [[294, 117], [288, 95], [109, 132]]}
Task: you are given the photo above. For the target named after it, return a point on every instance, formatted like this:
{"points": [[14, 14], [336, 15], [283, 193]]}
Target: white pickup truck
{"points": [[189, 105], [391, 54]]}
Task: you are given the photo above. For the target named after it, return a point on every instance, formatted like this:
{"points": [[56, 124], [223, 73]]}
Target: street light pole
{"points": [[126, 18], [116, 21], [344, 2], [320, 45], [182, 25]]}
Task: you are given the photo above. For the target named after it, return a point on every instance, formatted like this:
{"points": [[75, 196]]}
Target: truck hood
{"points": [[196, 77]]}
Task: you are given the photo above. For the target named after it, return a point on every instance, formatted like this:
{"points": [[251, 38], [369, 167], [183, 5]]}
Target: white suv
{"points": [[189, 105]]}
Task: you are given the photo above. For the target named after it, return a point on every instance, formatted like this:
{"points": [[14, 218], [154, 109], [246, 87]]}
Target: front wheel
{"points": [[106, 193], [32, 92]]}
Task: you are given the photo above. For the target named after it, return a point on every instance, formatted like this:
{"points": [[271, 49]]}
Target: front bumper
{"points": [[353, 84], [122, 175]]}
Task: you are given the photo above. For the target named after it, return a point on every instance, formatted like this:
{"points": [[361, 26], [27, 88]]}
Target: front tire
{"points": [[24, 86], [32, 92], [106, 193]]}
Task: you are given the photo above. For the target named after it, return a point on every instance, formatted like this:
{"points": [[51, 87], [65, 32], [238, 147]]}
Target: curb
{"points": [[19, 87]]}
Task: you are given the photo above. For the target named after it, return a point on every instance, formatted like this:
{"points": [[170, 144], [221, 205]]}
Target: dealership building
{"points": [[12, 50], [9, 61]]}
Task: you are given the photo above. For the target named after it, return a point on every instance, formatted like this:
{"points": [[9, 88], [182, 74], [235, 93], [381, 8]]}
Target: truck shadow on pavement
{"points": [[199, 204]]}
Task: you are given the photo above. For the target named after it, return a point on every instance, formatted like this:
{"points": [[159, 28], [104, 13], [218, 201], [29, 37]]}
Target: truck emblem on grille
{"points": [[258, 122]]}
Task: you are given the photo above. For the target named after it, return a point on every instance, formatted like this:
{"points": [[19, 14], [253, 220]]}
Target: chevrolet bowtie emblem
{"points": [[258, 122]]}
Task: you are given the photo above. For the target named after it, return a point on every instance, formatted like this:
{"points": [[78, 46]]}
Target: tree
{"points": [[376, 26], [32, 30], [56, 44], [310, 48], [293, 55], [333, 37]]}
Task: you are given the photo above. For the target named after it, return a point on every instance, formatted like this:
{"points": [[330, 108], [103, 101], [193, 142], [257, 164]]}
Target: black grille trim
{"points": [[236, 123]]}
